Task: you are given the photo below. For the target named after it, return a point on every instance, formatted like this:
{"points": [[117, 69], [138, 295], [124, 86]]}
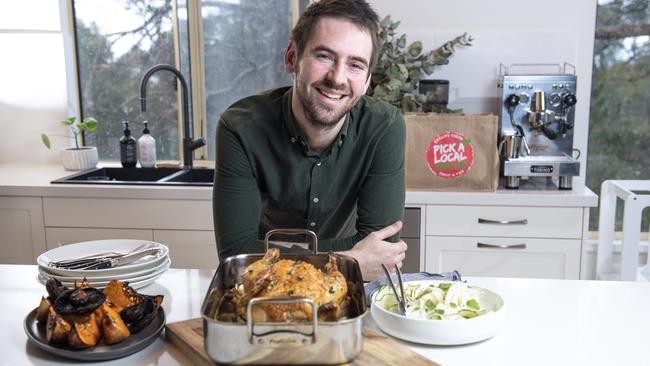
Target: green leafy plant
{"points": [[400, 68], [88, 124]]}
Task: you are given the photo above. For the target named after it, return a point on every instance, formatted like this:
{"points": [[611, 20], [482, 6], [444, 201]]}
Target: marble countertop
{"points": [[548, 322], [34, 180]]}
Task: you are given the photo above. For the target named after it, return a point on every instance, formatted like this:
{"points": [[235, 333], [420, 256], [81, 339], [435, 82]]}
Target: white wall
{"points": [[33, 96], [509, 32]]}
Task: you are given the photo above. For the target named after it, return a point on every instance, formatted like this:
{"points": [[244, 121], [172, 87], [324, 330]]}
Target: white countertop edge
{"points": [[34, 180], [506, 197]]}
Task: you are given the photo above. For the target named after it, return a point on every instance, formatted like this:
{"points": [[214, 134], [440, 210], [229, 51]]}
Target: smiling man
{"points": [[319, 155]]}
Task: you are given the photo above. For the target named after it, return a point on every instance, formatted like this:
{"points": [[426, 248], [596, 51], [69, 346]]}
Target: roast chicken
{"points": [[275, 277]]}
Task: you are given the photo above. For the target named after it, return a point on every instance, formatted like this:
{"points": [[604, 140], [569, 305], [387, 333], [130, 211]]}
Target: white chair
{"points": [[636, 196]]}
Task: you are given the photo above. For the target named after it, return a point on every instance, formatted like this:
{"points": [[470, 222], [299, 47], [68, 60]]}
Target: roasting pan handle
{"points": [[291, 232], [285, 337]]}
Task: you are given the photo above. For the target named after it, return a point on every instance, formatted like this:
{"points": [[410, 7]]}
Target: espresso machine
{"points": [[536, 118]]}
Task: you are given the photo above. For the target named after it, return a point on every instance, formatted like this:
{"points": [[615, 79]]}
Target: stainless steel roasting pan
{"points": [[313, 342]]}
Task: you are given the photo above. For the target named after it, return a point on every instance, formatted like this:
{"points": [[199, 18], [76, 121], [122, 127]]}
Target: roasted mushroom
{"points": [[82, 316], [139, 315], [79, 301], [54, 288]]}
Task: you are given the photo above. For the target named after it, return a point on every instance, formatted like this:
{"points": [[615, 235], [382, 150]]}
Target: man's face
{"points": [[332, 73]]}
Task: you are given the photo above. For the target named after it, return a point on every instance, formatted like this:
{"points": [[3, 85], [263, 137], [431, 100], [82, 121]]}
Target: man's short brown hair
{"points": [[358, 12]]}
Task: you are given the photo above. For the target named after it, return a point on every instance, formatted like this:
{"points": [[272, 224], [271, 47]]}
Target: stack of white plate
{"points": [[138, 273]]}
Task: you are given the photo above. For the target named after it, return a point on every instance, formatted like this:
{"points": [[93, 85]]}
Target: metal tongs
{"points": [[399, 296]]}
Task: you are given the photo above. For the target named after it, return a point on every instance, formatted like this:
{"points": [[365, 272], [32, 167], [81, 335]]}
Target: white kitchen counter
{"points": [[549, 322], [34, 180]]}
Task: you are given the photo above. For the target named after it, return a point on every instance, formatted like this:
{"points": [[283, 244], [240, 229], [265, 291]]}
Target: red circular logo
{"points": [[450, 155]]}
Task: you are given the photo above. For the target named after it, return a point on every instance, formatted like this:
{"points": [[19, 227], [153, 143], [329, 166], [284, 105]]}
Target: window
{"points": [[244, 43], [241, 53], [116, 42], [619, 126]]}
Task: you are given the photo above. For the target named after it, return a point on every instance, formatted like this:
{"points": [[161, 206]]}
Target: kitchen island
{"points": [[548, 322]]}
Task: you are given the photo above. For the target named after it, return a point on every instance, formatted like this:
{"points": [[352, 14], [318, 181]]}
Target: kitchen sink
{"points": [[141, 176], [193, 176]]}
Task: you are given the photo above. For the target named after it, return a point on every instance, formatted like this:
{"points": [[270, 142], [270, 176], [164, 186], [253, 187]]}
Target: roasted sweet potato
{"points": [[81, 284], [121, 295], [85, 333], [56, 328], [82, 316], [43, 310], [112, 325]]}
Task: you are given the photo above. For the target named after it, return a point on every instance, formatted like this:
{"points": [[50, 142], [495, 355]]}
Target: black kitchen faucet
{"points": [[189, 144]]}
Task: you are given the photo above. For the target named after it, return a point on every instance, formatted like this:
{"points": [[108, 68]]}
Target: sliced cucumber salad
{"points": [[437, 301]]}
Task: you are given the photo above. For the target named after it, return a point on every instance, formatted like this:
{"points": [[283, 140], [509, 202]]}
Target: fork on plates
{"points": [[90, 260]]}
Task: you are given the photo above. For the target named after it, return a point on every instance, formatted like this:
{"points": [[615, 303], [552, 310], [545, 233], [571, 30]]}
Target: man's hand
{"points": [[373, 250]]}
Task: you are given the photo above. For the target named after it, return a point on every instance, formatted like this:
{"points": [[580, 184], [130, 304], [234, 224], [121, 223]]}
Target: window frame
{"points": [[196, 66]]}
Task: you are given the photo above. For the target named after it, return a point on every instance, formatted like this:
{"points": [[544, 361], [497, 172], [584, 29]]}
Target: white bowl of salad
{"points": [[439, 312]]}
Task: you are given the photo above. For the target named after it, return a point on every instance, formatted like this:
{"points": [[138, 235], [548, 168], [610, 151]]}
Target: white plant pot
{"points": [[82, 158]]}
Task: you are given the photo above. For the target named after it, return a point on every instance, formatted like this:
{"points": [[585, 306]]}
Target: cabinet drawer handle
{"points": [[496, 246], [502, 222]]}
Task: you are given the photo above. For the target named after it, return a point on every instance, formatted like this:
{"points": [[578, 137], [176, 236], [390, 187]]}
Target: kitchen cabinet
{"points": [[505, 241], [527, 257], [57, 236], [411, 235], [440, 228], [128, 213], [184, 225], [21, 229], [189, 248]]}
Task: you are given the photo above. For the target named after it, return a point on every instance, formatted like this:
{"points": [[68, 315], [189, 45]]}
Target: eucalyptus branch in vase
{"points": [[400, 67]]}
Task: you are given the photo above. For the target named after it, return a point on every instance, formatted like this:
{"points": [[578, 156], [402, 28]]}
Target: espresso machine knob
{"points": [[512, 100], [569, 100], [555, 99]]}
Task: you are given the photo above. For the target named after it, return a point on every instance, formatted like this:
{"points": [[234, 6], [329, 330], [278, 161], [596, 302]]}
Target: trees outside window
{"points": [[619, 124], [118, 40]]}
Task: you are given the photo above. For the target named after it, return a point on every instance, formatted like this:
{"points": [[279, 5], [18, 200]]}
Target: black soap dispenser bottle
{"points": [[128, 148]]}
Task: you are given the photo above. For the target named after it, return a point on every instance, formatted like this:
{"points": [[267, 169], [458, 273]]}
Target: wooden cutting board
{"points": [[377, 348]]}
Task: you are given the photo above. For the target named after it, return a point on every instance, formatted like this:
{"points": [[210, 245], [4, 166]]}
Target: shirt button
{"points": [[293, 139], [315, 199], [312, 224], [319, 163]]}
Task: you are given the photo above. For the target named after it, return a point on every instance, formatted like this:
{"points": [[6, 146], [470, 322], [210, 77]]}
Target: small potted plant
{"points": [[78, 157]]}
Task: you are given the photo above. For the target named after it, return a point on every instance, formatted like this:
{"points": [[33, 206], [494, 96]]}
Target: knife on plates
{"points": [[122, 260]]}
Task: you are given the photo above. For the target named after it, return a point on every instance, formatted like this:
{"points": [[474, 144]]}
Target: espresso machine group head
{"points": [[536, 118]]}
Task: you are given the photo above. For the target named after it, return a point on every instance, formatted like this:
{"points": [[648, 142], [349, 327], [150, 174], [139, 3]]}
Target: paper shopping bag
{"points": [[452, 152]]}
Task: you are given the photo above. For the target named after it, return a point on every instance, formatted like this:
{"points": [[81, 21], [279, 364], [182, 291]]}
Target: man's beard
{"points": [[322, 116]]}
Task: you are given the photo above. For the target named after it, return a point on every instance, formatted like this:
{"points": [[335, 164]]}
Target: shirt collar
{"points": [[292, 127]]}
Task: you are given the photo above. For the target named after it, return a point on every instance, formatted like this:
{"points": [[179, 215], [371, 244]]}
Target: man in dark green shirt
{"points": [[319, 155]]}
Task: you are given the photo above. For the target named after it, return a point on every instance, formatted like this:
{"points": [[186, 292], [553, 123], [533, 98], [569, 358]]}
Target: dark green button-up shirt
{"points": [[266, 176]]}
